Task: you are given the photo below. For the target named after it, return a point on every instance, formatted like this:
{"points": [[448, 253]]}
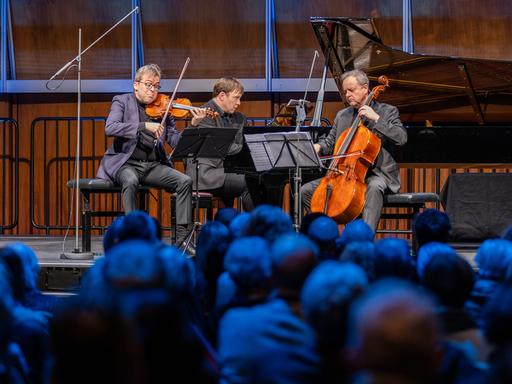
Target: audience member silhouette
{"points": [[269, 342], [29, 326], [396, 334], [356, 230], [269, 222], [326, 297], [497, 329], [324, 232], [450, 278], [361, 253], [494, 258], [308, 219], [431, 225], [239, 225], [226, 215], [393, 259]]}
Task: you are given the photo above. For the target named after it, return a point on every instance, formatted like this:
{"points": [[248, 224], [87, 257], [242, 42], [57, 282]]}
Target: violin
{"points": [[179, 109]]}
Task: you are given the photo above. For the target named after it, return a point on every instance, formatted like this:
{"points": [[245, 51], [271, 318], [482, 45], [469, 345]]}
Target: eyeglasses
{"points": [[150, 86]]}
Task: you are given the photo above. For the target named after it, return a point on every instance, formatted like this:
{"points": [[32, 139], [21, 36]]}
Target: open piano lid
{"points": [[423, 83]]}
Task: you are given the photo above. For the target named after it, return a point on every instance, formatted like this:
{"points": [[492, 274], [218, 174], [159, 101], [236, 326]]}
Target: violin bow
{"points": [[174, 92]]}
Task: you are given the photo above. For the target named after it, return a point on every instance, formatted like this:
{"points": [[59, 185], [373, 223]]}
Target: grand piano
{"points": [[456, 110], [467, 102]]}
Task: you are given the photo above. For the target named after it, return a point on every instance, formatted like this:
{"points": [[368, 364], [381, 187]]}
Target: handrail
{"points": [[9, 153]]}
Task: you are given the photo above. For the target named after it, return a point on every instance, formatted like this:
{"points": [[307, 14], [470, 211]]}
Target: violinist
{"points": [[137, 156], [227, 93], [384, 121]]}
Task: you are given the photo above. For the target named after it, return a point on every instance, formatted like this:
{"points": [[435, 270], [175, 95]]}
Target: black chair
{"points": [[91, 186], [413, 202]]}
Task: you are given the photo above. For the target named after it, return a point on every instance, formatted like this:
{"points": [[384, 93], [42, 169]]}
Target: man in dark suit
{"points": [[384, 121], [137, 156], [227, 93]]}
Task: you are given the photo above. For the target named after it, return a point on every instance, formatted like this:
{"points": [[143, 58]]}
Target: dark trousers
{"points": [[375, 189], [234, 186], [157, 175]]}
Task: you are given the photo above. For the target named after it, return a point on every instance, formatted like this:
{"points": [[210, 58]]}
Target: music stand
{"points": [[284, 150], [202, 142]]}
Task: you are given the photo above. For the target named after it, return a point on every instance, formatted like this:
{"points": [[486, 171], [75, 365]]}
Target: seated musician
{"points": [[137, 156], [227, 93], [384, 121]]}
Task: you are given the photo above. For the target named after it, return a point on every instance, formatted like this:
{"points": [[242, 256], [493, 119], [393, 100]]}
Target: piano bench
{"points": [[413, 204], [91, 186], [206, 201]]}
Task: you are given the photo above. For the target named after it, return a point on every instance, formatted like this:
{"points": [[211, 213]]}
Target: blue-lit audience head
{"points": [[494, 257], [94, 288], [180, 273], [30, 265], [212, 245], [138, 225], [294, 256], [498, 317], [361, 253], [226, 215], [431, 225], [326, 296], [308, 219], [226, 290], [111, 236], [507, 233], [239, 225], [450, 278], [429, 250], [393, 259], [396, 333], [15, 273], [248, 263], [134, 264], [269, 222], [5, 286], [356, 230], [324, 232]]}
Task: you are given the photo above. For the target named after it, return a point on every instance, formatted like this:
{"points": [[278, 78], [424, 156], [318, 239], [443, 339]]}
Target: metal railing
{"points": [[9, 174], [51, 166]]}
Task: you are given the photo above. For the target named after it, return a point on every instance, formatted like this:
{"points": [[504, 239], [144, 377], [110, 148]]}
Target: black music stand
{"points": [[284, 150], [197, 143]]}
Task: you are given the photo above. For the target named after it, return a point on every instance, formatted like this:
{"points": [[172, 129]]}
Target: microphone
{"points": [[66, 66]]}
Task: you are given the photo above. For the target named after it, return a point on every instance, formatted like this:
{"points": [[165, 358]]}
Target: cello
{"points": [[341, 192]]}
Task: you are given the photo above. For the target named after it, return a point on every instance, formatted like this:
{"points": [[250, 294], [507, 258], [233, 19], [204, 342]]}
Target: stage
{"points": [[64, 275]]}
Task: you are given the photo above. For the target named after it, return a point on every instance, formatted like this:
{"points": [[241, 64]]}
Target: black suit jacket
{"points": [[388, 128], [211, 171]]}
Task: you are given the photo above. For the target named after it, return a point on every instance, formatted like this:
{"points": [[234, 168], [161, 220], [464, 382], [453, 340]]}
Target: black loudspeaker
{"points": [[478, 204]]}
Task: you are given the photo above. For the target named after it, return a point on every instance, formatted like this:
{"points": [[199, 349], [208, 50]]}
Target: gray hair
{"points": [[148, 68], [359, 75]]}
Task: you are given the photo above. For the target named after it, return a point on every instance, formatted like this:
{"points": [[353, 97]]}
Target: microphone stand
{"points": [[300, 109], [77, 253]]}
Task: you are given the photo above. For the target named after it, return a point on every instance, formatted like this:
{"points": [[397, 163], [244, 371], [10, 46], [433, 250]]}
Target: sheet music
{"points": [[260, 151], [281, 150]]}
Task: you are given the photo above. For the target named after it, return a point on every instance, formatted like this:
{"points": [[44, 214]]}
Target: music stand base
{"points": [[76, 254], [191, 238]]}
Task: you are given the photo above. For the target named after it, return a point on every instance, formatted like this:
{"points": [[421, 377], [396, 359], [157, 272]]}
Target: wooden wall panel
{"points": [[469, 28], [220, 40], [297, 42], [45, 35]]}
